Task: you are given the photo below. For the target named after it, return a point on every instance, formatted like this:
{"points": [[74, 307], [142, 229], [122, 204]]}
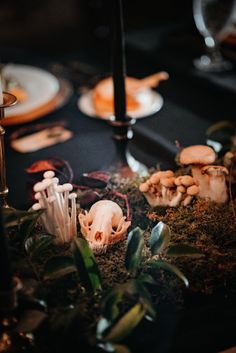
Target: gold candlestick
{"points": [[8, 100]]}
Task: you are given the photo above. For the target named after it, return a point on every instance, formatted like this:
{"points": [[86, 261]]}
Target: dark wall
{"points": [[60, 24]]}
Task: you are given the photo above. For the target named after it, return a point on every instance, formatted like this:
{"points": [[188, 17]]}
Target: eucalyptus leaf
{"points": [[125, 325], [168, 267], [86, 265], [146, 278], [37, 244], [134, 250], [145, 299], [120, 348], [114, 348], [107, 347], [102, 325], [183, 250], [160, 238], [109, 304], [14, 218], [58, 266]]}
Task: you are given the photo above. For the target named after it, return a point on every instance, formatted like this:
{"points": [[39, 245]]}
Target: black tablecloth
{"points": [[192, 102]]}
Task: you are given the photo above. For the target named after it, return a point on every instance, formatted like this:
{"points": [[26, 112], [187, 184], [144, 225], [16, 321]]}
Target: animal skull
{"points": [[103, 225]]}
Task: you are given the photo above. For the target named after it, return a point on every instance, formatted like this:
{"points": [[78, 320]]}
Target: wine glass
{"points": [[213, 19]]}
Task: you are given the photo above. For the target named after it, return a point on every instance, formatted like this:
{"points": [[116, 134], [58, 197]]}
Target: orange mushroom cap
{"points": [[197, 154]]}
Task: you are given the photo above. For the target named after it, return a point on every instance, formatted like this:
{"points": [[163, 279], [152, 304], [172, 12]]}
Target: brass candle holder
{"points": [[124, 163], [8, 101]]}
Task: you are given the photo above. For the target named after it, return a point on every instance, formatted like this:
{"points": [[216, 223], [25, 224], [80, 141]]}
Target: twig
{"points": [[128, 208]]}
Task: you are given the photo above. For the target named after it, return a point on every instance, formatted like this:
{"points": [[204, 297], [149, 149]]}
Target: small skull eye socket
{"points": [[89, 225], [114, 229]]}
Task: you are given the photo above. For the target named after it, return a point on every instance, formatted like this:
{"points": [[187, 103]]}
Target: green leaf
{"points": [[114, 348], [57, 267], [14, 218], [145, 278], [169, 267], [102, 326], [109, 304], [120, 348], [125, 325], [86, 265], [134, 250], [37, 244], [183, 250], [160, 238], [145, 299], [112, 299], [24, 220]]}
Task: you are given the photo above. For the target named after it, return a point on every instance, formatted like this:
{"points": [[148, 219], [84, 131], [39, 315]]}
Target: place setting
{"points": [[142, 100], [38, 92]]}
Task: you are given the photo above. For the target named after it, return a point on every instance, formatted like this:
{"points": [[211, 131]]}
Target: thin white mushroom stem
{"points": [[49, 182], [41, 200], [72, 198], [59, 218], [52, 212], [63, 206], [41, 188], [48, 187], [67, 188], [36, 207], [59, 190]]}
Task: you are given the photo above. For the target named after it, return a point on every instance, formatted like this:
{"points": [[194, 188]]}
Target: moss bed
{"points": [[209, 227]]}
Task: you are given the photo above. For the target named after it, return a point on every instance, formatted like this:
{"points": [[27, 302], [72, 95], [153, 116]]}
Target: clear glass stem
{"points": [[213, 50]]}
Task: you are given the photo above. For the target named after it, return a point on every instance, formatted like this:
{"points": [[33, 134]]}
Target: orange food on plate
{"points": [[19, 93], [103, 97]]}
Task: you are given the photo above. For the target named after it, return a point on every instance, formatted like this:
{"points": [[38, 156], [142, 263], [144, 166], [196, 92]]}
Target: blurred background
{"points": [[55, 25]]}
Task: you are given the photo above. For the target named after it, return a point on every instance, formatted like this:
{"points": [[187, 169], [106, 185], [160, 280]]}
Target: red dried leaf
{"points": [[40, 166], [99, 175]]}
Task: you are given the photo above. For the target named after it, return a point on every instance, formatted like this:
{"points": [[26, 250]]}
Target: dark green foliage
{"points": [[135, 246], [86, 265], [57, 267], [160, 238], [102, 299]]}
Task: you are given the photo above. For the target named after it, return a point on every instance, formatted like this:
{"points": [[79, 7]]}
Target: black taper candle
{"points": [[118, 61], [6, 282]]}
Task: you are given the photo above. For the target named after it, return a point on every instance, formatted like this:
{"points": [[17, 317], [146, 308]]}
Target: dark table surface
{"points": [[192, 102]]}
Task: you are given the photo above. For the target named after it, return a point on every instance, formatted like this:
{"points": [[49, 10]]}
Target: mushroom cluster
{"points": [[59, 203], [210, 178], [208, 181], [164, 189]]}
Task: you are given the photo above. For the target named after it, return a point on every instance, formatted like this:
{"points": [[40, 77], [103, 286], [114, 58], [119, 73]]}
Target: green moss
{"points": [[207, 226]]}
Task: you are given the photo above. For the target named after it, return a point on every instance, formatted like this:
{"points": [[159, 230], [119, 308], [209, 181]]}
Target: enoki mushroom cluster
{"points": [[59, 203]]}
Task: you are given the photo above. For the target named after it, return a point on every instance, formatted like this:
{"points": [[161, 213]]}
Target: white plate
{"points": [[40, 86], [150, 103]]}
